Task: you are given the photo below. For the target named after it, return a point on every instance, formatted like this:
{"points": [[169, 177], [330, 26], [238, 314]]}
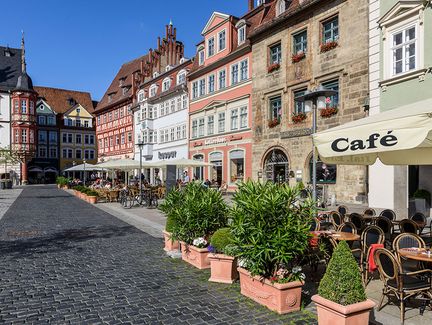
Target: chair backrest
{"points": [[389, 214], [336, 218], [357, 220], [388, 266], [418, 217], [371, 235], [342, 209], [369, 212], [326, 225], [348, 227], [407, 240], [409, 226], [385, 225], [315, 225]]}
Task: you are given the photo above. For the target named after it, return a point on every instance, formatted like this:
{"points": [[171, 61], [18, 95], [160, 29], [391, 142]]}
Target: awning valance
{"points": [[401, 136]]}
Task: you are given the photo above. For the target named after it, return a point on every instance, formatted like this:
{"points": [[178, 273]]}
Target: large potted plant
{"points": [[270, 227], [202, 212], [341, 297], [62, 182], [222, 260], [92, 196], [172, 203]]}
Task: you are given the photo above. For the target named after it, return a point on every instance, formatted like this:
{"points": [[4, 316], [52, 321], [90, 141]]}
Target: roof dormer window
{"points": [[121, 82], [168, 68], [242, 34], [181, 77], [153, 90], [166, 84], [155, 74], [125, 90], [281, 7]]}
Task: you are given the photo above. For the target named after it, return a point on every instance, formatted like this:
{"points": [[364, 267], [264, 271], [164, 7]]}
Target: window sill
{"points": [[419, 73]]}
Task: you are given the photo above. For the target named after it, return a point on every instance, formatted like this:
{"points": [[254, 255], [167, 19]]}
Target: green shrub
{"points": [[90, 192], [342, 281], [221, 239], [170, 222], [62, 181], [423, 194], [170, 206], [200, 213], [270, 225]]}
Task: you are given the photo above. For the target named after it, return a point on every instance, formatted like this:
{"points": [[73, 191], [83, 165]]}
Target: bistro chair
{"points": [[409, 226], [389, 214], [348, 227], [343, 210], [387, 228], [336, 218], [421, 221], [400, 284], [407, 240], [327, 226], [328, 244], [315, 225], [369, 212], [358, 221]]}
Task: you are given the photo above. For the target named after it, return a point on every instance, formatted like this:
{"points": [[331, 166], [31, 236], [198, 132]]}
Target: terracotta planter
{"points": [[76, 193], [223, 268], [281, 298], [59, 186], [170, 245], [64, 187], [331, 313], [195, 256], [92, 199]]}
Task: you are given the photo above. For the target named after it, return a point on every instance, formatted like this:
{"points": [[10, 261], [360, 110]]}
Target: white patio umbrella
{"points": [[401, 136], [183, 162], [80, 168], [126, 164]]}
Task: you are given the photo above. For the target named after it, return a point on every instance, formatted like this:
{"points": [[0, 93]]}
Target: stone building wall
{"points": [[348, 63]]}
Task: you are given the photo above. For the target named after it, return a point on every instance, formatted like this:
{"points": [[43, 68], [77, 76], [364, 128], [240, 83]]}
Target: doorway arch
{"points": [[276, 166]]}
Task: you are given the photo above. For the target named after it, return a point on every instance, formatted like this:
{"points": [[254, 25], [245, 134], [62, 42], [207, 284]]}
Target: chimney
{"points": [[251, 5]]}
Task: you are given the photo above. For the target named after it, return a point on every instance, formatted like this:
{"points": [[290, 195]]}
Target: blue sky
{"points": [[81, 44]]}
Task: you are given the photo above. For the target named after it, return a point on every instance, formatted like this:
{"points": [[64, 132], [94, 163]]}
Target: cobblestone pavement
{"points": [[65, 261], [7, 198]]}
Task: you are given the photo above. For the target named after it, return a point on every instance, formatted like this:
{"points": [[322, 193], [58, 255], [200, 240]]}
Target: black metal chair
{"points": [[407, 225], [336, 218], [369, 212], [400, 284], [315, 225], [387, 228], [358, 221], [407, 240], [343, 210], [421, 221], [327, 225], [389, 214], [348, 227]]}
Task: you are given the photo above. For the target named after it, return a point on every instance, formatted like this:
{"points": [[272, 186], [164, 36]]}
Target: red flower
{"points": [[298, 57], [328, 112], [328, 46], [273, 67]]}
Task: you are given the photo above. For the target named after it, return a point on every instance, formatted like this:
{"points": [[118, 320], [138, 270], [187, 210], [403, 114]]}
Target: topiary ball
{"points": [[220, 239]]}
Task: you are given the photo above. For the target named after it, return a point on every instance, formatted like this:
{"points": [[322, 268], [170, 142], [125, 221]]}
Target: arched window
{"points": [[181, 77], [166, 84], [153, 90], [276, 166], [198, 171], [325, 173]]}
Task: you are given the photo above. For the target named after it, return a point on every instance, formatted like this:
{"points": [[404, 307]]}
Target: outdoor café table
{"points": [[339, 235], [418, 254]]}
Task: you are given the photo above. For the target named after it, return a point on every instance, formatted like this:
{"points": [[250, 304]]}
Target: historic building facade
{"points": [[114, 116], [298, 46], [400, 64], [161, 118], [220, 91]]}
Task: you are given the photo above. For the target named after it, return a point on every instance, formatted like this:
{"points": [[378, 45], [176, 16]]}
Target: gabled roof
{"points": [[61, 100], [46, 105], [400, 10], [214, 16], [10, 68]]}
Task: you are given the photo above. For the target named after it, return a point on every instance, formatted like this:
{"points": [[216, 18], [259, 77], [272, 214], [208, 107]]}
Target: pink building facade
{"points": [[220, 89]]}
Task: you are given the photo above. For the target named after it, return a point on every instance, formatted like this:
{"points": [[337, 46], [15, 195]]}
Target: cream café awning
{"points": [[401, 136]]}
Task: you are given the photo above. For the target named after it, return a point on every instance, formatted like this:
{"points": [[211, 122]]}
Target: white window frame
{"points": [[279, 9], [208, 47], [218, 41], [219, 79], [182, 73], [240, 70], [166, 84], [232, 83], [241, 31], [214, 83], [201, 56], [153, 90]]}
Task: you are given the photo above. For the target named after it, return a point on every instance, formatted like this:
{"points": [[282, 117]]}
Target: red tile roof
{"points": [[59, 99]]}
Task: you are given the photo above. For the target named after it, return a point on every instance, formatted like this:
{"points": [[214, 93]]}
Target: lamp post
{"points": [[84, 172], [140, 146], [313, 95]]}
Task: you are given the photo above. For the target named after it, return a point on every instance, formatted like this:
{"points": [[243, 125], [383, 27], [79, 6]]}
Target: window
{"points": [[110, 116], [276, 54], [106, 142], [211, 83], [404, 50], [166, 84], [242, 34], [64, 153], [179, 103], [111, 141], [105, 118], [234, 74], [210, 125], [122, 138], [280, 7], [243, 70], [92, 154], [184, 101], [86, 124], [78, 123], [42, 137], [42, 152], [125, 90], [221, 122], [195, 90], [211, 47], [41, 120], [23, 106], [181, 79], [69, 137], [166, 136], [178, 132], [199, 171], [69, 153], [129, 136], [51, 120], [16, 106], [98, 120], [243, 117], [202, 87], [183, 131], [117, 140], [116, 114], [201, 57], [53, 152], [330, 30], [140, 96], [201, 127], [299, 106], [153, 89], [222, 79], [17, 136], [86, 139], [86, 154], [237, 165], [172, 106], [78, 154], [276, 108], [324, 173], [194, 128], [78, 138], [332, 101], [234, 119], [31, 107], [222, 40], [300, 42], [172, 134], [52, 137], [91, 139]]}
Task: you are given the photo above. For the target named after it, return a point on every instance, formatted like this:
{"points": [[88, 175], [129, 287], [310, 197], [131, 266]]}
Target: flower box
{"points": [[328, 46], [281, 298], [298, 57], [170, 244], [273, 123], [195, 256], [298, 117], [223, 268], [273, 67], [331, 313], [328, 112]]}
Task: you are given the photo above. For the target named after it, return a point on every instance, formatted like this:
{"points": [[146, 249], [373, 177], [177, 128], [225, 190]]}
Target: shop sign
{"points": [[167, 155], [215, 141]]}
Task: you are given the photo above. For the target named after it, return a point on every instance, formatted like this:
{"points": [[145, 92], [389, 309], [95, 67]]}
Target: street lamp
{"points": [[140, 146], [84, 172], [313, 95]]}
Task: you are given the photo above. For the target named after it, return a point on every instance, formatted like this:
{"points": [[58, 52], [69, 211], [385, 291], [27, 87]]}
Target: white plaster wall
{"points": [[4, 119]]}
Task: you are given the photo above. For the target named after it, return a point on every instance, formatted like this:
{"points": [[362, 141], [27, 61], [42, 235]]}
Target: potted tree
{"points": [[222, 260], [341, 297], [201, 213], [92, 196], [270, 227], [170, 207]]}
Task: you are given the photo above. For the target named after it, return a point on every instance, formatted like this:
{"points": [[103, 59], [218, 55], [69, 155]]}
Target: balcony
{"points": [[147, 150]]}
